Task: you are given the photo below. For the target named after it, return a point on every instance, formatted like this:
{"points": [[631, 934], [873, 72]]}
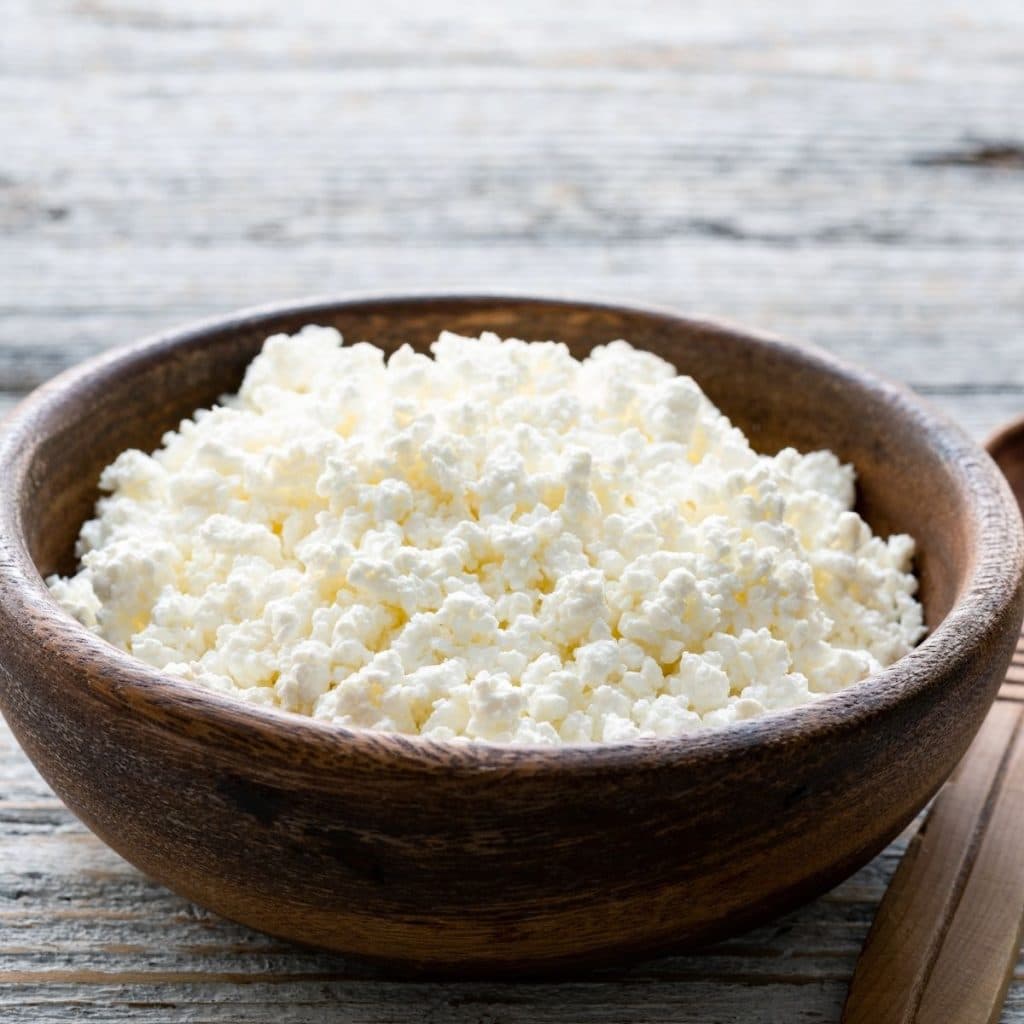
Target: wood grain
{"points": [[974, 968], [125, 123]]}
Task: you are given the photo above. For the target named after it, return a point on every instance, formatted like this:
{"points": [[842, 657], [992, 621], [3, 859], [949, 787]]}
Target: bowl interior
{"points": [[778, 394]]}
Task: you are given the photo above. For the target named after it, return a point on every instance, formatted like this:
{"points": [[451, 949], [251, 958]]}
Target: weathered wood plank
{"points": [[650, 127], [320, 1001], [948, 319], [842, 39], [599, 159]]}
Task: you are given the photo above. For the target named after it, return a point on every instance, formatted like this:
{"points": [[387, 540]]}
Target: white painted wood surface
{"points": [[850, 173]]}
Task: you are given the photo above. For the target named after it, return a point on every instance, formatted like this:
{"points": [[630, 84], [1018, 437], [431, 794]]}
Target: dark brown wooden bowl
{"points": [[476, 857]]}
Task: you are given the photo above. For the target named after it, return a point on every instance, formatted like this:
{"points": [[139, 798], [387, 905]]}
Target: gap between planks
{"points": [[65, 977]]}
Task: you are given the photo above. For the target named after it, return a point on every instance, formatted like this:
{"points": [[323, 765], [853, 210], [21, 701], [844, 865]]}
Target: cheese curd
{"points": [[499, 543]]}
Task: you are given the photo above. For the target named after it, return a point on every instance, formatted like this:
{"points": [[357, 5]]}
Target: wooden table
{"points": [[851, 173]]}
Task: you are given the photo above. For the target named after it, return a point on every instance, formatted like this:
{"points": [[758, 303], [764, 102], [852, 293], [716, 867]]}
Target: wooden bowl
{"points": [[482, 858], [1006, 446]]}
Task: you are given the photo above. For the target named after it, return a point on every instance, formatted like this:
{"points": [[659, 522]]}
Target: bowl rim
{"points": [[994, 577], [1005, 435]]}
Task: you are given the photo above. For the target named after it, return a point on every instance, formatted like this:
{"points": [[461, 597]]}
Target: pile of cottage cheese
{"points": [[499, 543]]}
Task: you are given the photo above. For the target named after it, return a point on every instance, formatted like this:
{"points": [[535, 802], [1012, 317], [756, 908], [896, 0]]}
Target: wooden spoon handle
{"points": [[971, 974], [947, 934]]}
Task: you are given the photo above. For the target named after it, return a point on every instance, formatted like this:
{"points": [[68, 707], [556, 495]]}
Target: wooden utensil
{"points": [[948, 933]]}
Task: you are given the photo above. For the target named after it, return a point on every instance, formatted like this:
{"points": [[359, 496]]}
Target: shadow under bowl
{"points": [[476, 858]]}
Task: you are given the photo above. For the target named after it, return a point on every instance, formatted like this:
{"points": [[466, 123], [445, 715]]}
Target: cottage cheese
{"points": [[501, 543]]}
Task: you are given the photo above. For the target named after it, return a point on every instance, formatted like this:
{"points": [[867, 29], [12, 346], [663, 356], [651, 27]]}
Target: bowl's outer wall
{"points": [[483, 858]]}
